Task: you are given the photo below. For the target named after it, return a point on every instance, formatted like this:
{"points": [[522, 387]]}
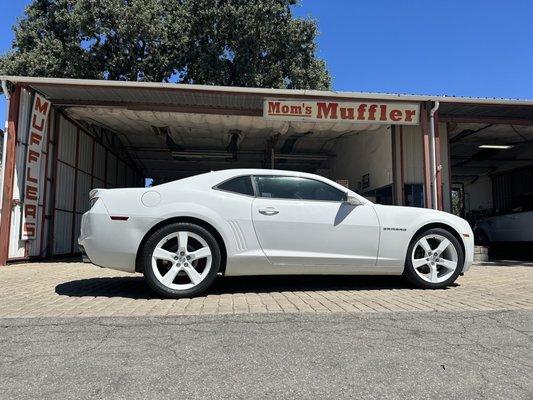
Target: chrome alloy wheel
{"points": [[181, 260], [434, 258]]}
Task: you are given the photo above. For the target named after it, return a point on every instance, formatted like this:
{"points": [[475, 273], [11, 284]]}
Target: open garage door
{"points": [[492, 176]]}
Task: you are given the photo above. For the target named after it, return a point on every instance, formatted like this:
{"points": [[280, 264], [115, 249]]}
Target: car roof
{"points": [[213, 178]]}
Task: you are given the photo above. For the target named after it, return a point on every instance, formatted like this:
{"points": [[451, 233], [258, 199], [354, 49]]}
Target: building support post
{"points": [[433, 156], [424, 126], [10, 137]]}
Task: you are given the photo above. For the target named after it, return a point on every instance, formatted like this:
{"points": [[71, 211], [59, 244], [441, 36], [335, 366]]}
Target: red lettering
{"points": [[34, 123], [29, 229], [395, 115], [35, 138], [409, 114], [308, 110], [347, 113], [285, 109], [372, 112], [383, 112], [41, 107], [33, 156], [296, 110], [29, 177], [327, 110], [273, 107], [31, 192], [30, 210], [361, 111]]}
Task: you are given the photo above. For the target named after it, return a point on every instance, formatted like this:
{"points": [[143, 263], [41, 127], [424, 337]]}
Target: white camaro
{"points": [[181, 234]]}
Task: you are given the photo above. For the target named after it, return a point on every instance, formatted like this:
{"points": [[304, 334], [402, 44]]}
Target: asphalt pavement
{"points": [[462, 355]]}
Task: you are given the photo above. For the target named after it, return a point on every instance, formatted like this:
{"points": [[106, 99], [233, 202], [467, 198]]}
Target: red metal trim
{"points": [[440, 204], [57, 130], [74, 205], [427, 159], [92, 162], [402, 177], [9, 173], [450, 180], [43, 216]]}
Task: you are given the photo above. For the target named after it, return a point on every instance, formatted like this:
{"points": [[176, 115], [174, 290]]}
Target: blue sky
{"points": [[453, 47]]}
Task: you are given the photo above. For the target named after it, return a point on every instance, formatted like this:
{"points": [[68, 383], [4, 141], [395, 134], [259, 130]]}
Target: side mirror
{"points": [[353, 201]]}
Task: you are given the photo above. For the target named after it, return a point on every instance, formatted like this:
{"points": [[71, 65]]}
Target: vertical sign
{"points": [[37, 128]]}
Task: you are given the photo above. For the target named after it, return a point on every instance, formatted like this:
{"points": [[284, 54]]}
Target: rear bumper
{"points": [[111, 243], [84, 257]]}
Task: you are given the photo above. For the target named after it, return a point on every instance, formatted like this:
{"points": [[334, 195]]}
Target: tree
{"points": [[220, 42]]}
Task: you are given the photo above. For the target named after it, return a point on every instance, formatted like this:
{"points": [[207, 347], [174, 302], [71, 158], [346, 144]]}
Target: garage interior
{"points": [[492, 173]]}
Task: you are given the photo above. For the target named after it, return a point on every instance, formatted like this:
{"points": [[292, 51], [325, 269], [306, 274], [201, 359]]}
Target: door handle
{"points": [[268, 211]]}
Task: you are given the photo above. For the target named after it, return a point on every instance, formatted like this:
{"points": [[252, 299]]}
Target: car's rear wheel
{"points": [[181, 260], [434, 259]]}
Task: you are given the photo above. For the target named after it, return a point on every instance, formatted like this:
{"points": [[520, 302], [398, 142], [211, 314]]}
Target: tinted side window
{"points": [[240, 184], [292, 187]]}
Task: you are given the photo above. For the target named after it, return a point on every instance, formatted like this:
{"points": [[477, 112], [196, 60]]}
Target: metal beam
{"points": [[461, 119], [9, 172]]}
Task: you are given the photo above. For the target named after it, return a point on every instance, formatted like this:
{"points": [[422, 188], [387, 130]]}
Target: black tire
{"points": [[149, 247], [410, 272]]}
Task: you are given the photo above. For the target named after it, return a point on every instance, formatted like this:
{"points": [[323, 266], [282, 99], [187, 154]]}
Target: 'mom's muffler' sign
{"points": [[32, 172], [336, 111]]}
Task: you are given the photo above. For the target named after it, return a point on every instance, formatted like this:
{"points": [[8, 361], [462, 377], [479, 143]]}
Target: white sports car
{"points": [[181, 234]]}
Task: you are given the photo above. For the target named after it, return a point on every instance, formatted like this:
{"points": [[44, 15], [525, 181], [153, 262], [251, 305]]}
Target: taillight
{"points": [[92, 201]]}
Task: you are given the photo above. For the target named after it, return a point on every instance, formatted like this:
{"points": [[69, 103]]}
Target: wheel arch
{"points": [[191, 220], [441, 225]]}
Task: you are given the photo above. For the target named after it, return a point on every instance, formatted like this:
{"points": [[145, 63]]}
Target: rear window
{"points": [[240, 185]]}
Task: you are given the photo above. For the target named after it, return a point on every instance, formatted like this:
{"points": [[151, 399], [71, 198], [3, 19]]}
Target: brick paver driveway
{"points": [[62, 289]]}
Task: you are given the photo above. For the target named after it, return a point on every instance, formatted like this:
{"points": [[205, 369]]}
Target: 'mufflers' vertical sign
{"points": [[335, 111], [38, 122]]}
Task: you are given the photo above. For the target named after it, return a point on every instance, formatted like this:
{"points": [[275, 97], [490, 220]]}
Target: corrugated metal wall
{"points": [[83, 163], [73, 163], [17, 247]]}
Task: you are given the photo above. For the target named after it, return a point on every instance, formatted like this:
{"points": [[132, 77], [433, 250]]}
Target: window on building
{"points": [[414, 194]]}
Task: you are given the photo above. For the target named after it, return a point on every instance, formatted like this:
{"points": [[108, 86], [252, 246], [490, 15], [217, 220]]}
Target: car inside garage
{"points": [[492, 184]]}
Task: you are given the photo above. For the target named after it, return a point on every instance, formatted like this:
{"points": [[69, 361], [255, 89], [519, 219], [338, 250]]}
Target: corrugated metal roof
{"points": [[58, 88]]}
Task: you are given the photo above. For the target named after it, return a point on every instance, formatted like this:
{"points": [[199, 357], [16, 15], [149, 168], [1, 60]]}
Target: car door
{"points": [[302, 221]]}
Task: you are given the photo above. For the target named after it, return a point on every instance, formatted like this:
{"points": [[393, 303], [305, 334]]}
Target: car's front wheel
{"points": [[434, 259], [181, 260]]}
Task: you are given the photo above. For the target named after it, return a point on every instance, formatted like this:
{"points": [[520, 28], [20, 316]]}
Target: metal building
{"points": [[66, 136]]}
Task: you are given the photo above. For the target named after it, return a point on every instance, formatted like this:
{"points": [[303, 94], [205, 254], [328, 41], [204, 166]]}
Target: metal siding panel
{"points": [[82, 193], [121, 174], [85, 152], [17, 246], [111, 169], [65, 187], [98, 184], [99, 161], [67, 141], [34, 246], [62, 232], [413, 155], [77, 230]]}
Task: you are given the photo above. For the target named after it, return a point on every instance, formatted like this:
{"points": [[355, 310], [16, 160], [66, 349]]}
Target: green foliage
{"points": [[219, 42]]}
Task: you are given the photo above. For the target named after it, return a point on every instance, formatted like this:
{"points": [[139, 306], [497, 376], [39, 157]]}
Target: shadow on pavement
{"points": [[136, 288]]}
